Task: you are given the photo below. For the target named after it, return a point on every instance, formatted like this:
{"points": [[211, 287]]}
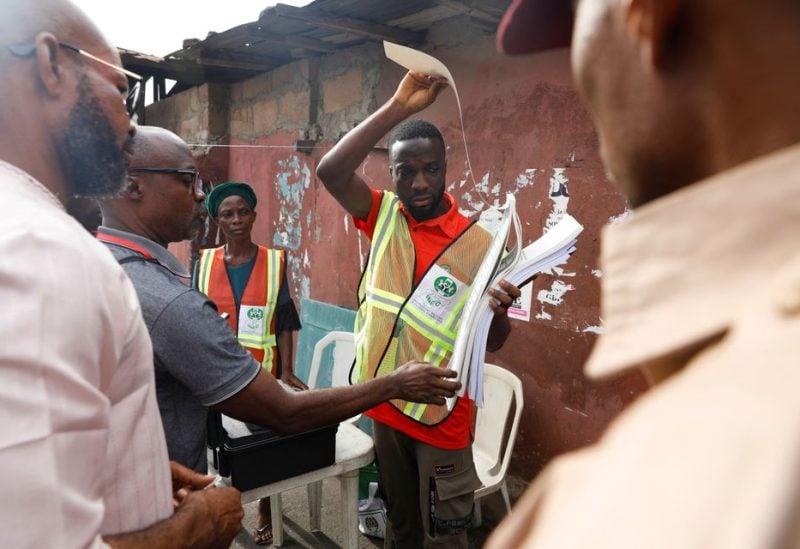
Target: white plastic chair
{"points": [[343, 354], [500, 389]]}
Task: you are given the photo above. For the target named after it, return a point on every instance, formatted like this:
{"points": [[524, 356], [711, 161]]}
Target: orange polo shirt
{"points": [[429, 239]]}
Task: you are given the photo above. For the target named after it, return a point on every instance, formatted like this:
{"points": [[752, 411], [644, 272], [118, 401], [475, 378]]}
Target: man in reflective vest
{"points": [[248, 283], [423, 257], [198, 361]]}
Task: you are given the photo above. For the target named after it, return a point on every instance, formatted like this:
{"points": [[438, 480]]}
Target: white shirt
{"points": [[82, 451]]}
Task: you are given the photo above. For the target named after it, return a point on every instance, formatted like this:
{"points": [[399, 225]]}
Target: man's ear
{"points": [[133, 189], [48, 63], [650, 24]]}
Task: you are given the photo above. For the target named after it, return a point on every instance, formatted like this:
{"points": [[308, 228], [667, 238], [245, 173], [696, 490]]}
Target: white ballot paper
{"points": [[417, 61]]}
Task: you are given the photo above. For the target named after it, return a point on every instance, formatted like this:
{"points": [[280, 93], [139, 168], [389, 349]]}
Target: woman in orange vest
{"points": [[248, 283]]}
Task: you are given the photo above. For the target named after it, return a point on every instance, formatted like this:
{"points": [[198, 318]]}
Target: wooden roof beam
{"points": [[470, 10], [366, 29], [208, 61], [263, 34]]}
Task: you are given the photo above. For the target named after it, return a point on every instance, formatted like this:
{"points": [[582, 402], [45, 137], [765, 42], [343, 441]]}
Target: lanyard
{"points": [[111, 239]]}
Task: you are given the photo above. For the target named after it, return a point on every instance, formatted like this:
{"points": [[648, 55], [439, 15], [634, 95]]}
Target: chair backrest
{"points": [[500, 389], [341, 359]]}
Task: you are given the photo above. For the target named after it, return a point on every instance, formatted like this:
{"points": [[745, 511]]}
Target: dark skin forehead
{"points": [[233, 202], [427, 148]]}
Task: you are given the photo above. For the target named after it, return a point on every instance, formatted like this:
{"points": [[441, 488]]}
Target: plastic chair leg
{"points": [[277, 519], [504, 490], [477, 515], [314, 505]]}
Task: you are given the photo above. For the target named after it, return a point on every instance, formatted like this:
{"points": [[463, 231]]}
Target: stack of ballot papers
{"points": [[516, 266]]}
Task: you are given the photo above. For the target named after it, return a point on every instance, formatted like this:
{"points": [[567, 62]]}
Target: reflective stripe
{"points": [[390, 300], [204, 275], [421, 324], [437, 353], [414, 410], [258, 342], [386, 221], [455, 316]]}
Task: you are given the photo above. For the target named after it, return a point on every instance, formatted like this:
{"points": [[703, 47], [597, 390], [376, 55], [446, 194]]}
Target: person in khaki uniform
{"points": [[695, 103]]}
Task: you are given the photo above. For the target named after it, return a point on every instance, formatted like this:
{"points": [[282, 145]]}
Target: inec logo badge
{"points": [[445, 286], [255, 314]]}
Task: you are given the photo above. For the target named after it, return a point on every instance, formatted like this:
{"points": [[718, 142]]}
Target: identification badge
{"points": [[251, 321], [438, 294]]}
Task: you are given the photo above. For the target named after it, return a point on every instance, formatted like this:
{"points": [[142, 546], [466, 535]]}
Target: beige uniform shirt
{"points": [[702, 291], [82, 450]]}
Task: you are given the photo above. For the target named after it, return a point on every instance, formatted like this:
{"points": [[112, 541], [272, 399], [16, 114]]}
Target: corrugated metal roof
{"points": [[282, 34]]}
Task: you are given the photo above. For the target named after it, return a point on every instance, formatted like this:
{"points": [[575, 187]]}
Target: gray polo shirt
{"points": [[198, 361]]}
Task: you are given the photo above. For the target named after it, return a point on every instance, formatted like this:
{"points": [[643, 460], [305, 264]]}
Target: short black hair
{"points": [[413, 129]]}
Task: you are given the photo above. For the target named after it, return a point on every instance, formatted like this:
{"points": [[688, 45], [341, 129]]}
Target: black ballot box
{"points": [[253, 457]]}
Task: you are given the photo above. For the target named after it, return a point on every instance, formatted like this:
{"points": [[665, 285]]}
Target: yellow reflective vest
{"points": [[397, 321]]}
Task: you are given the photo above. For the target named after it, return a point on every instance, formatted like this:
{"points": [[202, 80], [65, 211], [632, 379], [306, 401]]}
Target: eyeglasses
{"points": [[132, 99], [189, 176]]}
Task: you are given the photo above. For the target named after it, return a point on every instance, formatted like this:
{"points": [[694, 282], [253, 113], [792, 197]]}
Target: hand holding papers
{"points": [[517, 266]]}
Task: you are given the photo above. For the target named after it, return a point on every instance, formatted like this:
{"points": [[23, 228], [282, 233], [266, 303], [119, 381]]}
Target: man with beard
{"points": [[199, 363], [695, 103], [81, 448], [422, 247]]}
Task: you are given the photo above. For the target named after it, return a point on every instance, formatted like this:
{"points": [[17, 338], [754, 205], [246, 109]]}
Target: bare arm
{"points": [[286, 352], [337, 169], [264, 402]]}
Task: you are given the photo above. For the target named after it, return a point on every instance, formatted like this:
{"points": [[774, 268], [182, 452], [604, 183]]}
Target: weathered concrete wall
{"points": [[527, 134]]}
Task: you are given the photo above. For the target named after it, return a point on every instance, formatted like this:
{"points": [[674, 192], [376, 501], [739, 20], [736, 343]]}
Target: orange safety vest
{"points": [[254, 322]]}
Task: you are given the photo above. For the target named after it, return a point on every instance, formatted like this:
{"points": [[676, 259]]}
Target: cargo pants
{"points": [[429, 492]]}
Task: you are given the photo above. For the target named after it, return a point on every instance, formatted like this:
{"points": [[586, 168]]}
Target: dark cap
{"points": [[529, 26], [229, 188]]}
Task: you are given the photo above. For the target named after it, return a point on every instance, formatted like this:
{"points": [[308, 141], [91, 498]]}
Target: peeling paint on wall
{"points": [[302, 283], [291, 182], [477, 196], [554, 296], [559, 196], [525, 179]]}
